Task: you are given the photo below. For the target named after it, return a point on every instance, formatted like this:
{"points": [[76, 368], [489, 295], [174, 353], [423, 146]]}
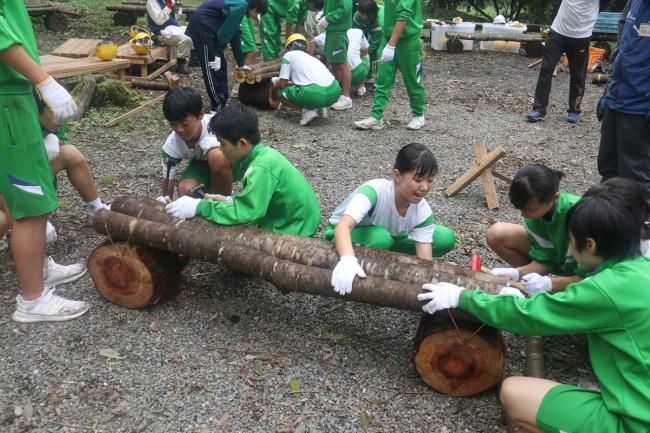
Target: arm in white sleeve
{"points": [[158, 15]]}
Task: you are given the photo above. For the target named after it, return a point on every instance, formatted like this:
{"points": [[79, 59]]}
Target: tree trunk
{"points": [[456, 357], [135, 276], [83, 94], [599, 78], [151, 85], [266, 75], [534, 356], [258, 95], [316, 252]]}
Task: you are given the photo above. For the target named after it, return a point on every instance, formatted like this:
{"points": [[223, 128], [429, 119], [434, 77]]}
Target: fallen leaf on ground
{"points": [[364, 419], [111, 354], [294, 386]]}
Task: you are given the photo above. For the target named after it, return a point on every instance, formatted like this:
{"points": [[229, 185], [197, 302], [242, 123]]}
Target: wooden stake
{"points": [[137, 110], [491, 158], [480, 152]]}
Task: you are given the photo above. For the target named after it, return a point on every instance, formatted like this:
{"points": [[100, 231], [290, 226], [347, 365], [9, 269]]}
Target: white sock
{"points": [[50, 233]]}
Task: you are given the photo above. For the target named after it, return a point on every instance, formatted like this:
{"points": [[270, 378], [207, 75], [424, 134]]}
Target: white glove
{"points": [[184, 207], [440, 296], [275, 80], [216, 64], [318, 16], [507, 290], [322, 23], [243, 68], [388, 54], [343, 275], [57, 98], [536, 283], [510, 273], [52, 148], [163, 199]]}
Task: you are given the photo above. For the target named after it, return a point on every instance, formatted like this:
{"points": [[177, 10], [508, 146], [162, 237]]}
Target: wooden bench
{"points": [[125, 52]]}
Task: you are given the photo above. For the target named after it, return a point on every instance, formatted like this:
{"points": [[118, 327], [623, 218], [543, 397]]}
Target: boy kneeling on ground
{"points": [[275, 195], [191, 140], [305, 82]]}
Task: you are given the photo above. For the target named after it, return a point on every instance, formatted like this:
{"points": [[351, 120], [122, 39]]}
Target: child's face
{"points": [[587, 258], [46, 119], [536, 209], [189, 129], [234, 152], [413, 188]]}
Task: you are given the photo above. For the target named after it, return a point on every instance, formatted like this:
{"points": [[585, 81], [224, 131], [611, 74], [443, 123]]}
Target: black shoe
{"points": [[182, 67]]}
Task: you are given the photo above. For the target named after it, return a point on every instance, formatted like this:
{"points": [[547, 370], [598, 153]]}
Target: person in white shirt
{"points": [[570, 33], [389, 215], [191, 141], [305, 82], [357, 57], [161, 19]]}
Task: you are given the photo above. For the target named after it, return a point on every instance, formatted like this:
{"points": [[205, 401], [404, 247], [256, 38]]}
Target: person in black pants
{"points": [[212, 26], [570, 33]]}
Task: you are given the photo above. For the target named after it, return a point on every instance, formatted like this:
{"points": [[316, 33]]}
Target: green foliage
{"points": [[112, 92]]}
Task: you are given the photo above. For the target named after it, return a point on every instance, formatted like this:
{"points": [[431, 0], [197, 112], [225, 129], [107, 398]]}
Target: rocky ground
{"points": [[226, 354]]}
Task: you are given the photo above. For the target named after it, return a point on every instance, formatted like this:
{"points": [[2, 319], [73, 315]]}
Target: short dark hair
{"points": [[370, 8], [318, 4], [631, 194], [182, 102], [260, 6], [234, 122], [608, 221], [416, 157], [534, 181]]}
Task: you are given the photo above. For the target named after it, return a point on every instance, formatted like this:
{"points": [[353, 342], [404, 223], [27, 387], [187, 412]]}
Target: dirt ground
{"points": [[221, 355]]}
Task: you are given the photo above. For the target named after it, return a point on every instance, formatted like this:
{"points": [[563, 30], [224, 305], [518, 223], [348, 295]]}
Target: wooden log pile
{"points": [[258, 72], [457, 355]]}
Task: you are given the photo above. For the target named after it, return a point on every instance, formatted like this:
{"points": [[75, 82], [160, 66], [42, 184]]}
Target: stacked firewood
{"points": [[258, 72]]}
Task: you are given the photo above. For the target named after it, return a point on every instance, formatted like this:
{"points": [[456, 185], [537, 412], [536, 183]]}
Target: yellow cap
{"points": [[294, 37]]}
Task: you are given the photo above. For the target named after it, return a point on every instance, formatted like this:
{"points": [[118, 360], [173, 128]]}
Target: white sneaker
{"points": [[370, 123], [48, 308], [54, 274], [361, 90], [50, 233], [308, 116], [322, 113], [343, 103], [416, 123]]}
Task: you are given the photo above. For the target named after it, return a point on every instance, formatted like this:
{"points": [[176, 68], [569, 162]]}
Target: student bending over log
{"points": [[275, 195], [389, 215], [611, 306]]}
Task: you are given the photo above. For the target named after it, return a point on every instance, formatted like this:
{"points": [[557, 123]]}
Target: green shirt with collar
{"points": [[275, 196]]}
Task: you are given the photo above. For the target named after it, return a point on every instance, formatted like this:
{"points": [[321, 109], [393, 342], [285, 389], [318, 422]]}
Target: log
{"points": [[456, 357], [315, 252], [263, 66], [239, 76], [135, 276], [266, 76], [534, 356], [258, 95], [150, 85], [495, 37], [599, 78], [83, 94]]}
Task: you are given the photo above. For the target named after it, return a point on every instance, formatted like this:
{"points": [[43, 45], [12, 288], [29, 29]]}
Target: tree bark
{"points": [[83, 94], [135, 276], [386, 265], [534, 356], [151, 85], [257, 94], [456, 357]]}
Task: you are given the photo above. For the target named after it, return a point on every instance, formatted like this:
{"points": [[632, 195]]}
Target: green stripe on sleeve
{"points": [[369, 192], [426, 223]]}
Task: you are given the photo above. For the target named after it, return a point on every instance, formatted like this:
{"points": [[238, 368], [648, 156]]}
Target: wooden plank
{"points": [[77, 48], [480, 152], [61, 67], [535, 63], [167, 66], [471, 174], [136, 110], [501, 176], [172, 79]]}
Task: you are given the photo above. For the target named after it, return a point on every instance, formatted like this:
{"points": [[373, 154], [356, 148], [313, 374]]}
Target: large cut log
{"points": [[259, 95], [316, 252], [495, 37], [135, 276], [151, 85], [83, 95], [456, 357]]}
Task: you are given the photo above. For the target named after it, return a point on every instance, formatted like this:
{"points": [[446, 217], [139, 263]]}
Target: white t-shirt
{"points": [[645, 247], [373, 203], [175, 148], [302, 70], [576, 18], [357, 42]]}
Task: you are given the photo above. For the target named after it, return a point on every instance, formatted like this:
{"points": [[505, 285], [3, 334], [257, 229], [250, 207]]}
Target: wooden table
{"points": [[61, 67], [144, 60]]}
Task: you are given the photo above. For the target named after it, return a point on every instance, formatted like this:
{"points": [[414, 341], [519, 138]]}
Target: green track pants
{"points": [[408, 60], [377, 237], [270, 36]]}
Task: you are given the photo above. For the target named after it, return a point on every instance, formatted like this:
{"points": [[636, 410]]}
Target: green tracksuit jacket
{"points": [[549, 241], [372, 31], [403, 10], [338, 14], [275, 196], [613, 308], [297, 15], [270, 28]]}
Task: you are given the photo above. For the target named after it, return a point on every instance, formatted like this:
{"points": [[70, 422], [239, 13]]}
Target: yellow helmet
{"points": [[141, 43], [293, 38], [136, 29], [107, 50]]}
